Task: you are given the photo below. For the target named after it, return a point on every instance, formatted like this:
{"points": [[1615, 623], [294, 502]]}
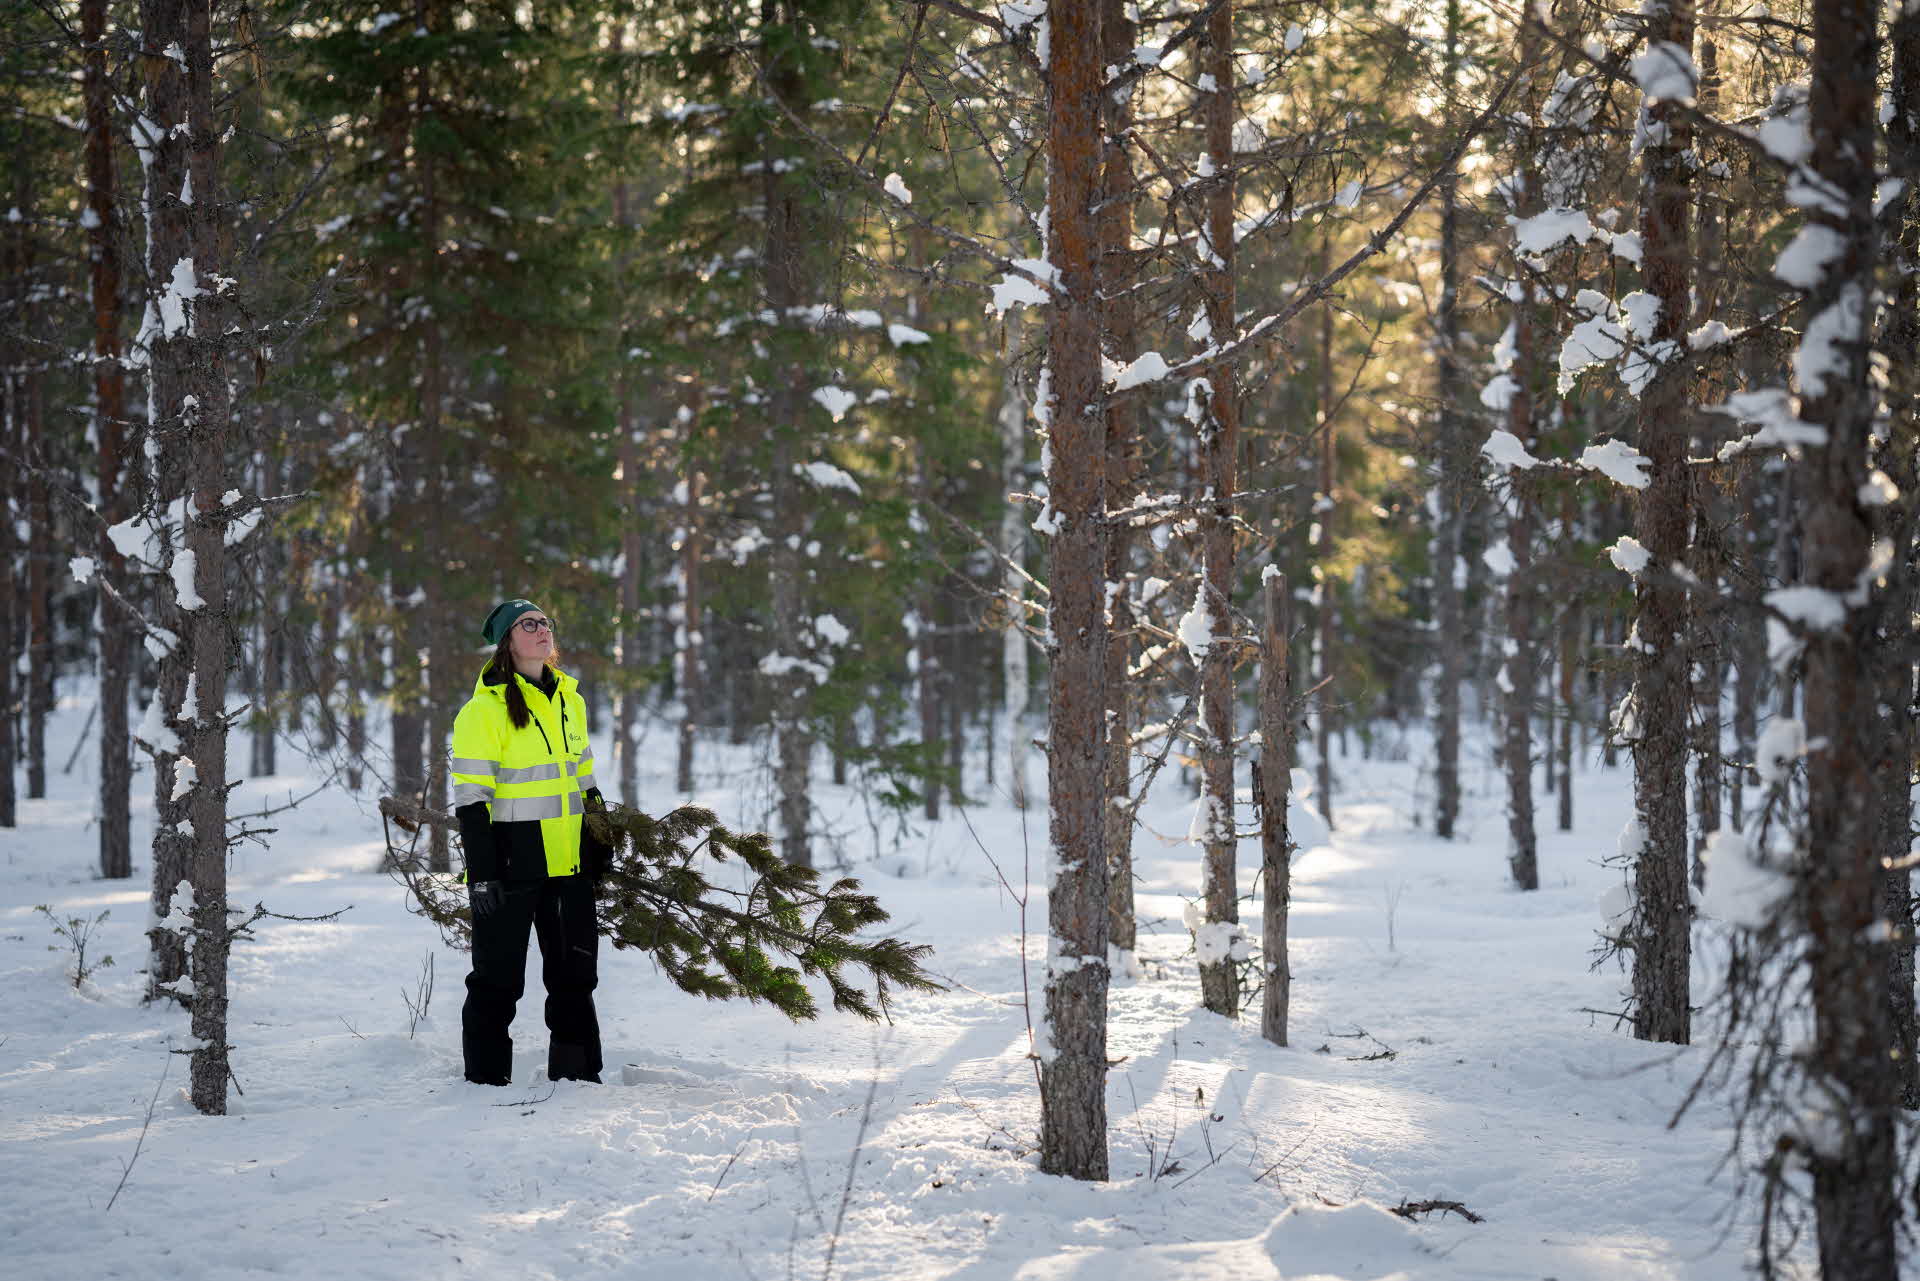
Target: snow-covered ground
{"points": [[748, 1147]]}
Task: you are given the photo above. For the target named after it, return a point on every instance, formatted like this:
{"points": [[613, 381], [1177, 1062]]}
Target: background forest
{"points": [[1094, 390]]}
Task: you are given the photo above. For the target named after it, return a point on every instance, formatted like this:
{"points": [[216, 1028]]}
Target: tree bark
{"points": [[9, 596], [1900, 727], [40, 660], [1219, 438], [1117, 274], [1272, 785], [1661, 931], [1854, 1175], [790, 282], [1454, 461], [1073, 1030], [188, 245], [691, 650]]}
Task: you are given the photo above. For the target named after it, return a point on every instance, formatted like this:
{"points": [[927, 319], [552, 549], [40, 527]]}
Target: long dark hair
{"points": [[500, 666]]}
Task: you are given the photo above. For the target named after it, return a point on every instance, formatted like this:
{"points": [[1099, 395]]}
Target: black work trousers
{"points": [[561, 910]]}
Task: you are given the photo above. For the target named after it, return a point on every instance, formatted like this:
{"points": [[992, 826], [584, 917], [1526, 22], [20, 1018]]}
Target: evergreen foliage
{"points": [[660, 896]]}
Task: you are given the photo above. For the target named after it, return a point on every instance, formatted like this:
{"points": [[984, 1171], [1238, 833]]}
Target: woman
{"points": [[523, 776]]}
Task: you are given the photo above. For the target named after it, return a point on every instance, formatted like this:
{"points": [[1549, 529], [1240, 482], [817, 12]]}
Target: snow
{"points": [[1014, 290], [827, 476], [896, 187], [82, 567], [1666, 70], [1499, 392], [1740, 890], [1618, 462], [1217, 941], [1786, 138], [1782, 742], [1822, 350], [1814, 608], [1148, 367], [1295, 37], [906, 335], [1017, 15], [1196, 626], [1710, 335], [1593, 341], [1806, 258], [831, 630], [357, 1150], [182, 286], [777, 665], [1499, 558], [1548, 230], [1777, 413], [184, 592], [1629, 555], [1639, 314], [835, 400], [1503, 449]]}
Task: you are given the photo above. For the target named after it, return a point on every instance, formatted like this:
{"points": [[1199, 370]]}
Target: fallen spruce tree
{"points": [[711, 940]]}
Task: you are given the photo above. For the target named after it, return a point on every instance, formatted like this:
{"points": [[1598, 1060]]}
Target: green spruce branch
{"points": [[711, 940]]}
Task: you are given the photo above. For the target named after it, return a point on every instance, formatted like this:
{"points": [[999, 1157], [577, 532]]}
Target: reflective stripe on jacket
{"points": [[537, 774]]}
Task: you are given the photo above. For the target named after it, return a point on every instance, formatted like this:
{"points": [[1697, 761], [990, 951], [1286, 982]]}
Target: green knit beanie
{"points": [[503, 616]]}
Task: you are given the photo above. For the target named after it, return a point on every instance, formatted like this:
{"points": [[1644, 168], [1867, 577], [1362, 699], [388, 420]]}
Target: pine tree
{"points": [[1852, 1074], [1661, 932], [1073, 1031]]}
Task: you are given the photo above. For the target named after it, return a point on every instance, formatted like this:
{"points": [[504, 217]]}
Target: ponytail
{"points": [[501, 666]]}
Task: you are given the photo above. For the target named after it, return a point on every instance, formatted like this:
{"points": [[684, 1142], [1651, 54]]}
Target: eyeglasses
{"points": [[532, 626]]}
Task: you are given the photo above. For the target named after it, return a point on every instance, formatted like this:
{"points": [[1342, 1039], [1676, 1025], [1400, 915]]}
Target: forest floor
{"points": [[1442, 1049]]}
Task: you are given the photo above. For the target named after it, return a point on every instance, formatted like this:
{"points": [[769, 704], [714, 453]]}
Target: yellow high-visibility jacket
{"points": [[533, 781]]}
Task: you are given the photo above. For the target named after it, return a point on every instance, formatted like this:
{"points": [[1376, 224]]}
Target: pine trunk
{"points": [[691, 648], [1272, 786], [1662, 927], [40, 664], [1897, 524], [790, 284], [116, 630], [1518, 676], [1854, 1174], [1073, 1033], [1219, 437], [186, 243], [1116, 272], [9, 598]]}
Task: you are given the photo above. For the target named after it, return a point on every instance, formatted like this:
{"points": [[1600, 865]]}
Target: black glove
{"points": [[595, 857], [485, 897]]}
